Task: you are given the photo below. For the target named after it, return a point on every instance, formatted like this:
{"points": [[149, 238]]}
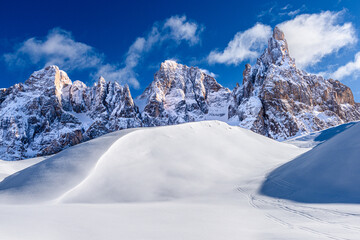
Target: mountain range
{"points": [[49, 112]]}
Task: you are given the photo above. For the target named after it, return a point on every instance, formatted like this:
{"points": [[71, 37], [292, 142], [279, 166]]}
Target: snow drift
{"points": [[55, 175], [329, 173], [150, 164], [156, 164]]}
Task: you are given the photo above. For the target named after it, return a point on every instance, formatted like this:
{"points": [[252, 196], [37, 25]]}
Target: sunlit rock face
{"points": [[181, 94], [49, 113], [280, 101]]}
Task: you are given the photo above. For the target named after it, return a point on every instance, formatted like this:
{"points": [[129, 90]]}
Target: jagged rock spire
{"points": [[280, 101], [278, 52]]}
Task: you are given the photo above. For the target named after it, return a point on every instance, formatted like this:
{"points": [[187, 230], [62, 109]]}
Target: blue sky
{"points": [[127, 40]]}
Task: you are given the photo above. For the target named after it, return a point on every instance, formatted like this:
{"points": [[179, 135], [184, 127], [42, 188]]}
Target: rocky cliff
{"points": [[181, 94], [278, 100], [49, 113]]}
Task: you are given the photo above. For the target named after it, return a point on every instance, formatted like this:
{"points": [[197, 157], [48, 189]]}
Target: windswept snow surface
{"points": [[329, 173], [190, 181], [9, 167], [313, 139], [48, 179], [197, 159]]}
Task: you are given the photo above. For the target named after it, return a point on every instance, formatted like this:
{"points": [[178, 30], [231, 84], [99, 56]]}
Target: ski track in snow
{"points": [[319, 220]]}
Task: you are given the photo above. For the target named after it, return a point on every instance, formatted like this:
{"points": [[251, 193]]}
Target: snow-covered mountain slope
{"points": [[328, 173], [149, 164], [173, 182], [49, 113], [278, 100], [182, 94]]}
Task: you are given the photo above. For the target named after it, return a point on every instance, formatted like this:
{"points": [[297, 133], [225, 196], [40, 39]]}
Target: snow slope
{"points": [[9, 167], [315, 138], [329, 173], [191, 181], [149, 164], [52, 177], [196, 159]]}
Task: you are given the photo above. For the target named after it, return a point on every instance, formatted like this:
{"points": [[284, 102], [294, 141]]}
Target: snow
{"points": [[189, 181], [177, 164], [329, 173], [9, 167], [46, 180], [315, 138]]}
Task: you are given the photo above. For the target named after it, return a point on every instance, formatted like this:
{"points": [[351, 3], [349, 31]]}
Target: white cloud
{"points": [[310, 38], [313, 36], [181, 29], [175, 28], [60, 48], [348, 69], [211, 74], [245, 45]]}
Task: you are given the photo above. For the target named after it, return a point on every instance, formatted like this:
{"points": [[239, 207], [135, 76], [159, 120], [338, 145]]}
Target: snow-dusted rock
{"points": [[49, 113], [181, 94], [280, 101]]}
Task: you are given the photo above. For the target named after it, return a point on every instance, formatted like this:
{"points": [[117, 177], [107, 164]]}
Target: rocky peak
{"points": [[182, 94], [49, 113], [277, 52], [280, 101], [278, 34], [49, 77]]}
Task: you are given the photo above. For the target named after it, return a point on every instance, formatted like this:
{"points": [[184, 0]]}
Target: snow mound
{"points": [[175, 162], [329, 173], [50, 178]]}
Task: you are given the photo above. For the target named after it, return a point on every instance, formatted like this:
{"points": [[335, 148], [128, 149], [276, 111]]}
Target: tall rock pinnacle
{"points": [[277, 51], [280, 101]]}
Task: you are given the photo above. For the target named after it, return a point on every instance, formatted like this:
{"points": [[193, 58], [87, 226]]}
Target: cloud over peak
{"points": [[244, 46], [311, 37]]}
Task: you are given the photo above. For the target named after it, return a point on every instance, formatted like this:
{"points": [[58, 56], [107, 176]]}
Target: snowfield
{"points": [[190, 181], [329, 173]]}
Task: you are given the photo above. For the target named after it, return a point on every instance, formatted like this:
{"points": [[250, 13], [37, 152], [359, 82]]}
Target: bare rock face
{"points": [[280, 101], [49, 113], [181, 94]]}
